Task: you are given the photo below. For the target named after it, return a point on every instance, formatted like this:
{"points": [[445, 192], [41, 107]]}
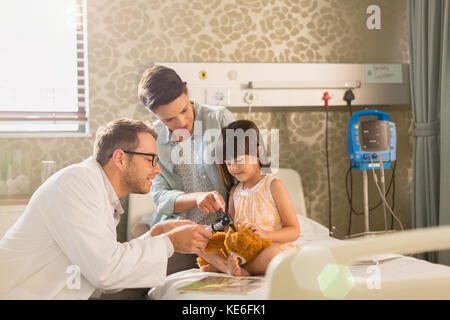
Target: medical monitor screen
{"points": [[374, 135]]}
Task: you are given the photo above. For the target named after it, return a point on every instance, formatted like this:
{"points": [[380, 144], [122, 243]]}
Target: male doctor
{"points": [[64, 245]]}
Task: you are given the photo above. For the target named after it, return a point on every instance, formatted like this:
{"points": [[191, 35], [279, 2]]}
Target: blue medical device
{"points": [[366, 139]]}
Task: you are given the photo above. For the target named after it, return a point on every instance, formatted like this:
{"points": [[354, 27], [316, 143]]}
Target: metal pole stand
{"points": [[367, 231]]}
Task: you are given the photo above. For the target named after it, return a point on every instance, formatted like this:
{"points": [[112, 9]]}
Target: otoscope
{"points": [[225, 220]]}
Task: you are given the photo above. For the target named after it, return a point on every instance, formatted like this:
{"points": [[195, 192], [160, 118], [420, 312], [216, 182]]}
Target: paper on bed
{"points": [[225, 284], [180, 279]]}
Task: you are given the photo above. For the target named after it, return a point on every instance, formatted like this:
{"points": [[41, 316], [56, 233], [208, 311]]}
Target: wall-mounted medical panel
{"points": [[293, 84]]}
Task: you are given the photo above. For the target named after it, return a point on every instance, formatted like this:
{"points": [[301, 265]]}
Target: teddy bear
{"points": [[244, 243]]}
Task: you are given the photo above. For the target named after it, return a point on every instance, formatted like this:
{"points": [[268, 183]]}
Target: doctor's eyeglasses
{"points": [[154, 156]]}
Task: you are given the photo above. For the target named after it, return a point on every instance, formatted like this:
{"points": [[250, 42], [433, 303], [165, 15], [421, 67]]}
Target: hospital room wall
{"points": [[125, 36]]}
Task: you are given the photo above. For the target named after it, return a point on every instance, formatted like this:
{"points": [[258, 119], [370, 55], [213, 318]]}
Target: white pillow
{"points": [[310, 229]]}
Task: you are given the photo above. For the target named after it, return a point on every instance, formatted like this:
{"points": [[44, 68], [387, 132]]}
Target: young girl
{"points": [[259, 201]]}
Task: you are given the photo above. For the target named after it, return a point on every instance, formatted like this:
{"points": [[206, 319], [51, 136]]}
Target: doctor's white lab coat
{"points": [[64, 245]]}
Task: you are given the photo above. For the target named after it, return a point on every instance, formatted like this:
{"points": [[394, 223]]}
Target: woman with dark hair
{"points": [[188, 187]]}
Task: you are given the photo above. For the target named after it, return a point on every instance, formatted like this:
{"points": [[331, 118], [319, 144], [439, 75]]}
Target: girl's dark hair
{"points": [[160, 85], [244, 136]]}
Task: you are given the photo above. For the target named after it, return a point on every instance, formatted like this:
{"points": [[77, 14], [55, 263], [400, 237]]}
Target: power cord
{"points": [[393, 195], [349, 97], [327, 97], [383, 187], [383, 197]]}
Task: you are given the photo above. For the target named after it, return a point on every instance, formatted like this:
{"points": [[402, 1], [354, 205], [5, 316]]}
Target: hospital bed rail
{"points": [[295, 274]]}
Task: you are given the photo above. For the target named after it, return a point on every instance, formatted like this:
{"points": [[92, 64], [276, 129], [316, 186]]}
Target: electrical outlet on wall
{"points": [[218, 96], [250, 97]]}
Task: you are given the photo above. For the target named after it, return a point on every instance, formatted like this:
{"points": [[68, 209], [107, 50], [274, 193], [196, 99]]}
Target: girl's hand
{"points": [[256, 230]]}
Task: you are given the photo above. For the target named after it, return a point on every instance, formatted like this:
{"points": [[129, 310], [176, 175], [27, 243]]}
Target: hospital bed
{"points": [[377, 267]]}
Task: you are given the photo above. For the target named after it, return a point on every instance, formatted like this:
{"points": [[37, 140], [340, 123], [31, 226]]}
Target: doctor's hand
{"points": [[166, 226], [210, 202], [189, 238]]}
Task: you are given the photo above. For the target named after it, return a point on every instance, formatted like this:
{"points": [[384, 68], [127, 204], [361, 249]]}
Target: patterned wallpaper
{"points": [[124, 36]]}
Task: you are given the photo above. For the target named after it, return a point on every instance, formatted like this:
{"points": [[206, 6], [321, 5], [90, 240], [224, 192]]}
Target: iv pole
{"points": [[358, 158]]}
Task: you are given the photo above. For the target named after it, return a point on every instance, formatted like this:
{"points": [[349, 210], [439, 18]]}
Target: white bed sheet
{"points": [[401, 268]]}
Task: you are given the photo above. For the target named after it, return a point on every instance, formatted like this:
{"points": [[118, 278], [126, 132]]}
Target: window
{"points": [[43, 63]]}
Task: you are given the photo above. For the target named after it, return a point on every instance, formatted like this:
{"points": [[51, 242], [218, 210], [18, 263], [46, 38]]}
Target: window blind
{"points": [[43, 58]]}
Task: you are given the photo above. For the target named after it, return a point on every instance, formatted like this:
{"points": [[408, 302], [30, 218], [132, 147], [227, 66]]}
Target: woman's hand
{"points": [[257, 230], [210, 202]]}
